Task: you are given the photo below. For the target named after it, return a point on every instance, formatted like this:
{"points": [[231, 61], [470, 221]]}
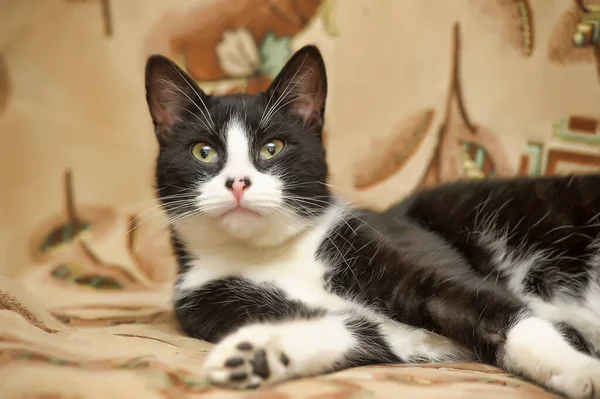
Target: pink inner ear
{"points": [[308, 108], [162, 115], [168, 106]]}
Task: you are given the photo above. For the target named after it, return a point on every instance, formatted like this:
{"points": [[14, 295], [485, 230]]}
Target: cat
{"points": [[291, 281]]}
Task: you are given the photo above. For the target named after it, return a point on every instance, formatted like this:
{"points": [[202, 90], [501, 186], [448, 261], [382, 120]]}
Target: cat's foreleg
{"points": [[267, 353]]}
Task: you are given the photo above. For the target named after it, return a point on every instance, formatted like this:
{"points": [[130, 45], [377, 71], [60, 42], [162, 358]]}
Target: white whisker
{"points": [[285, 92], [197, 94]]}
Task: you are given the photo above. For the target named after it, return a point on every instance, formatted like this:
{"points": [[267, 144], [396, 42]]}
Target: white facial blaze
{"points": [[238, 154], [264, 196]]}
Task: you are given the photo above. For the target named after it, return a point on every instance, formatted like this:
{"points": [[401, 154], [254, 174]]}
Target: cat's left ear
{"points": [[172, 95], [302, 87]]}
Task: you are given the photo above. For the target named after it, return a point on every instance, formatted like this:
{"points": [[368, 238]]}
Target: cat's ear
{"points": [[302, 87], [171, 94]]}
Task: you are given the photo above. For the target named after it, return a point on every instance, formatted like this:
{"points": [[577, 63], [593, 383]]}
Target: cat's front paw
{"points": [[249, 358]]}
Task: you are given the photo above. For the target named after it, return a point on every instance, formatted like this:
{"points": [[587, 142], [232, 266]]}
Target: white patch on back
{"points": [[511, 264], [594, 261], [583, 313]]}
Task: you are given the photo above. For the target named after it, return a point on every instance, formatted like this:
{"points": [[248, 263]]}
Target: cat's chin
{"points": [[240, 211], [243, 224], [256, 228]]}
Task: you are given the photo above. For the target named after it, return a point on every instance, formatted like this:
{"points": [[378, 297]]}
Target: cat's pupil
{"points": [[205, 152], [271, 148]]}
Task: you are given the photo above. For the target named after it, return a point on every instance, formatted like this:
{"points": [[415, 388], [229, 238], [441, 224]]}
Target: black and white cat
{"points": [[290, 281]]}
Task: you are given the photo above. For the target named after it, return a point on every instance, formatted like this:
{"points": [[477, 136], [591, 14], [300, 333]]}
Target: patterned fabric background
{"points": [[421, 92]]}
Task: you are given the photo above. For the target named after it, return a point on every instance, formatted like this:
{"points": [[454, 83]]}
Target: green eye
{"points": [[271, 148], [205, 153]]}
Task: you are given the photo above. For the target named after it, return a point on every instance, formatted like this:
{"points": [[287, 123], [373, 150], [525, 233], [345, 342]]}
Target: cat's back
{"points": [[538, 236], [558, 200]]}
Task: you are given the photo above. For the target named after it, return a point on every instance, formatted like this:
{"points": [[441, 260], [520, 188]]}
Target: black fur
{"points": [[181, 255], [372, 347], [431, 262], [555, 214], [222, 306], [176, 175], [418, 279], [436, 276]]}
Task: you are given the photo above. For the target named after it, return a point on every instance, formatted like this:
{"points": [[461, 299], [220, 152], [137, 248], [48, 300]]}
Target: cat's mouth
{"points": [[240, 210]]}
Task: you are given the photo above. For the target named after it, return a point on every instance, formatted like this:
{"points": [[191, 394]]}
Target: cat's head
{"points": [[251, 166]]}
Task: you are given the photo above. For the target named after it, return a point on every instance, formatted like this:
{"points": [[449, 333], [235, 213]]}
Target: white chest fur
{"points": [[292, 266]]}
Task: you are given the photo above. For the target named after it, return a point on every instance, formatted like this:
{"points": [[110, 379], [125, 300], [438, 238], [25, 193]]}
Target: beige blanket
{"points": [[420, 93], [42, 357]]}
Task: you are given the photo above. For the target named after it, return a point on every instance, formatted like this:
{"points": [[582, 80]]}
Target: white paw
{"points": [[580, 383], [249, 358]]}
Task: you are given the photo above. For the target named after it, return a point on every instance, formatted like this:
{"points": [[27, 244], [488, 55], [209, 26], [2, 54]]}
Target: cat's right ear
{"points": [[171, 94]]}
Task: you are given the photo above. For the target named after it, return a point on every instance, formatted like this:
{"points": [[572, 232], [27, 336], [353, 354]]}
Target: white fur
{"points": [[312, 346], [510, 264], [535, 348], [582, 314], [264, 197], [294, 268], [413, 343], [281, 248]]}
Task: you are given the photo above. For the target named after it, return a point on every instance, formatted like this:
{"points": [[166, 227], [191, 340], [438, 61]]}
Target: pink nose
{"points": [[238, 185]]}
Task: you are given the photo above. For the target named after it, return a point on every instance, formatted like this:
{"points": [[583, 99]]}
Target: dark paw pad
{"points": [[244, 346], [238, 376], [246, 366], [234, 362], [260, 365]]}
